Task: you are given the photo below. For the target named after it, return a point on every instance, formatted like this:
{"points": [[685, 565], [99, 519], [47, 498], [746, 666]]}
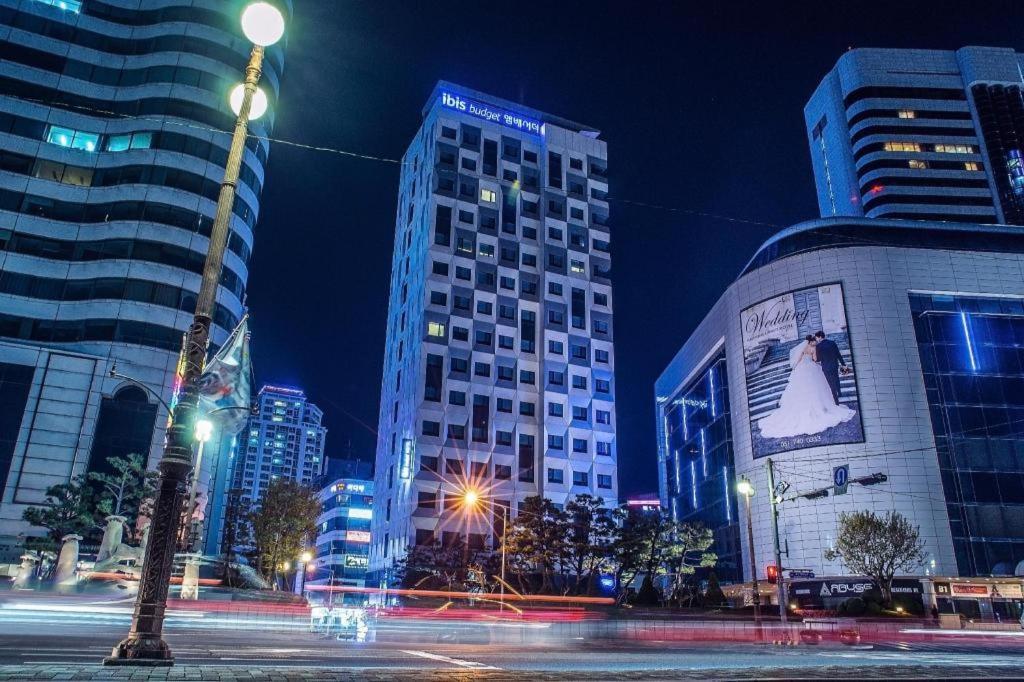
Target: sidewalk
{"points": [[31, 673]]}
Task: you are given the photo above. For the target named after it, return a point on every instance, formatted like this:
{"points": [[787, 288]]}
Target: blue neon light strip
{"points": [[968, 340], [704, 453], [725, 493], [679, 475], [711, 398], [693, 481]]}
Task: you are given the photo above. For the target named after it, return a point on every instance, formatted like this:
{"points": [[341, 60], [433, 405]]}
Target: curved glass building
{"points": [[114, 134]]}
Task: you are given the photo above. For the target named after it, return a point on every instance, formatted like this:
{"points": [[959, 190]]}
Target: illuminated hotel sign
{"points": [[356, 561], [489, 112]]}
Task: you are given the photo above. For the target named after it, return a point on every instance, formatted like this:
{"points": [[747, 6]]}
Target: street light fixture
{"points": [[203, 433], [259, 102], [263, 24], [745, 487], [204, 430]]}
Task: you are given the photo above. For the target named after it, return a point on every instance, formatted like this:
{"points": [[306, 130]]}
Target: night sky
{"points": [[701, 105]]}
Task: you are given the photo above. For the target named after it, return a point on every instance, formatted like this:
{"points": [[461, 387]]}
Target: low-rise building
{"points": [[343, 540]]}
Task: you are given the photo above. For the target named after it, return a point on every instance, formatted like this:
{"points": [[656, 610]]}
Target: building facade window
{"points": [[124, 427], [971, 356]]}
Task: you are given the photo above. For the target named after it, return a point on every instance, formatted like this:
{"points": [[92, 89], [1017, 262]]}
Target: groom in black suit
{"points": [[830, 360]]}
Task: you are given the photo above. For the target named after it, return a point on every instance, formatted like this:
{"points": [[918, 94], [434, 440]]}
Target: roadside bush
{"points": [[910, 605], [648, 594], [714, 595], [853, 607]]}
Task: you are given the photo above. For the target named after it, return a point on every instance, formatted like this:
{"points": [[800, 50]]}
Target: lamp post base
{"points": [[141, 651]]}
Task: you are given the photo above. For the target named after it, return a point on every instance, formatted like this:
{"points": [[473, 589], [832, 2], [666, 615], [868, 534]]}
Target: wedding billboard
{"points": [[801, 382]]}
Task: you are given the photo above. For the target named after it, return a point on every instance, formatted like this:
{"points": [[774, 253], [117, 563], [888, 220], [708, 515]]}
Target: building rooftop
{"points": [[446, 86], [283, 390], [825, 233], [846, 232]]}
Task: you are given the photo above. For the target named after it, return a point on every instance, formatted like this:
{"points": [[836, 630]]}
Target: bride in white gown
{"points": [[806, 406]]}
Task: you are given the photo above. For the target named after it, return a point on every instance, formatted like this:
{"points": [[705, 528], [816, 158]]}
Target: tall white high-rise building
{"points": [[284, 440], [499, 367]]}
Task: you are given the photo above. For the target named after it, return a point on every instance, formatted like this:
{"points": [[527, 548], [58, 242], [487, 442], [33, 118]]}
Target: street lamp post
{"points": [[470, 501], [203, 433], [299, 584], [504, 532], [745, 488], [263, 24]]}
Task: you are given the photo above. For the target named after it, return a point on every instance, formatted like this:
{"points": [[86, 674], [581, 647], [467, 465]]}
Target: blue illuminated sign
{"points": [[489, 112]]}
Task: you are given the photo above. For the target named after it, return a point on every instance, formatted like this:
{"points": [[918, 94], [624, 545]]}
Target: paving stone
{"points": [[32, 673]]}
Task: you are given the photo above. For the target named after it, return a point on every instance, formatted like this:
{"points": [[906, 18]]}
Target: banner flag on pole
{"points": [[225, 388]]}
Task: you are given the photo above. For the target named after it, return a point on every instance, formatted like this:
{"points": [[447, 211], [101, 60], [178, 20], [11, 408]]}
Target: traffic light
{"points": [[772, 571]]}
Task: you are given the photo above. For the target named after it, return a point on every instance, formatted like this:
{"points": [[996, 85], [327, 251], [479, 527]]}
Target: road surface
{"points": [[52, 641]]}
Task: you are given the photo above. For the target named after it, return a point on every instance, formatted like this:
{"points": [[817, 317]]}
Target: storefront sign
{"points": [[348, 487], [357, 536], [356, 561], [1011, 591], [983, 591], [967, 590], [817, 592]]}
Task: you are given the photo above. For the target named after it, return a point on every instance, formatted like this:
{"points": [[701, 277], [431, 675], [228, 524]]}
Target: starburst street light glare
{"points": [[306, 557], [262, 23], [744, 487], [471, 498], [259, 102]]}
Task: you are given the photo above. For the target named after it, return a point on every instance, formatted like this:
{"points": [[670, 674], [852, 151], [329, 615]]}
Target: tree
{"points": [[878, 547], [686, 549], [590, 530], [283, 523], [68, 509], [535, 541], [627, 548], [652, 544], [128, 490], [448, 566], [237, 532]]}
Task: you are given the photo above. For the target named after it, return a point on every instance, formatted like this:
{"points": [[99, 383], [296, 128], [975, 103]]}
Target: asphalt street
{"points": [[51, 645]]}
